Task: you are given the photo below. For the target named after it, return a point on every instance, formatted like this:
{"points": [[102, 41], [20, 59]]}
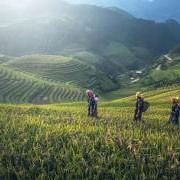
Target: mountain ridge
{"points": [[91, 31], [102, 46], [157, 10]]}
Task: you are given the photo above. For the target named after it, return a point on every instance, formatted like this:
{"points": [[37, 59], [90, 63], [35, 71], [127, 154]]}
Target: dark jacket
{"points": [[175, 112], [91, 102], [139, 104]]}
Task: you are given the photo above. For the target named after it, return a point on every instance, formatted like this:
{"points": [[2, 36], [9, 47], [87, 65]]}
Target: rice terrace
{"points": [[60, 141], [89, 90]]}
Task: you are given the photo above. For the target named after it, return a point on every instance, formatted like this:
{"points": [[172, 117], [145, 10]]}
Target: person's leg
{"points": [[91, 110], [173, 122], [96, 113], [140, 116], [94, 110], [170, 119], [88, 110], [135, 115], [176, 121]]}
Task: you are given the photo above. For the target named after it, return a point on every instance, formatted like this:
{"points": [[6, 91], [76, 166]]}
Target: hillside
{"points": [[65, 49], [64, 69], [160, 96], [165, 71], [158, 10], [19, 87], [101, 31], [60, 141], [51, 52], [4, 59], [63, 78], [42, 79]]}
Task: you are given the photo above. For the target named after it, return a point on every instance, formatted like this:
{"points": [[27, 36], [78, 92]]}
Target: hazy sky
{"points": [[148, 9], [20, 3], [107, 2]]}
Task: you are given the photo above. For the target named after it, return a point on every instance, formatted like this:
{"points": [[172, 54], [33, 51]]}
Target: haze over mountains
{"points": [[51, 52], [52, 27], [72, 47], [159, 10]]}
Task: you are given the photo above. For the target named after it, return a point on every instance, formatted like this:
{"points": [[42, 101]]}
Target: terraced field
{"points": [[50, 79], [18, 87], [64, 70], [60, 142], [161, 95], [4, 59], [165, 71]]}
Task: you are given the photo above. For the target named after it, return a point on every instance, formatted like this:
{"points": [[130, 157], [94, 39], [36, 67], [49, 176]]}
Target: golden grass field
{"points": [[59, 141]]}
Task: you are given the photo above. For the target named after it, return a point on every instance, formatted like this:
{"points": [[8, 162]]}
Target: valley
{"points": [[42, 79], [51, 127]]}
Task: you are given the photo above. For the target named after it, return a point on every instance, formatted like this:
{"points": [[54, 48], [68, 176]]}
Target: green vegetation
{"points": [[4, 59], [107, 33], [49, 79], [158, 96], [61, 142], [164, 72], [63, 69], [58, 53], [106, 48], [18, 87], [175, 51]]}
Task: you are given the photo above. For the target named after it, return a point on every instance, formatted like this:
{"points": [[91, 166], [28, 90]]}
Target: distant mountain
{"points": [[165, 71], [118, 41], [159, 10], [66, 48]]}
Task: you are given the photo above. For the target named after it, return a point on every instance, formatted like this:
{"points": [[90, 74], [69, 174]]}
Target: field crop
{"points": [[18, 87], [61, 142], [62, 69]]}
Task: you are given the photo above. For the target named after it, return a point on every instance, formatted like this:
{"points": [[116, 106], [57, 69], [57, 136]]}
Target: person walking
{"points": [[92, 103], [175, 111], [139, 106], [90, 96]]}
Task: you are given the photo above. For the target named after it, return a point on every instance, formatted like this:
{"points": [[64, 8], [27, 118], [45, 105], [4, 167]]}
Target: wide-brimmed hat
{"points": [[139, 94], [175, 99]]}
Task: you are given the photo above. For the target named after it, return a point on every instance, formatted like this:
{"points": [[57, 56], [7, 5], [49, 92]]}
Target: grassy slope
{"points": [[60, 141], [65, 73], [167, 76], [19, 87], [4, 59], [64, 69], [169, 73]]}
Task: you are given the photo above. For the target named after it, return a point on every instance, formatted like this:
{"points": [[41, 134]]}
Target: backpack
{"points": [[146, 106]]}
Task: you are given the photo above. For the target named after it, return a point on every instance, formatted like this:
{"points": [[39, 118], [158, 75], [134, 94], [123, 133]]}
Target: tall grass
{"points": [[61, 142]]}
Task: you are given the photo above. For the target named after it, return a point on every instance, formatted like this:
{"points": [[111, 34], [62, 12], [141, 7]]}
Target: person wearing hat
{"points": [[175, 111], [90, 95], [139, 106], [92, 103]]}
